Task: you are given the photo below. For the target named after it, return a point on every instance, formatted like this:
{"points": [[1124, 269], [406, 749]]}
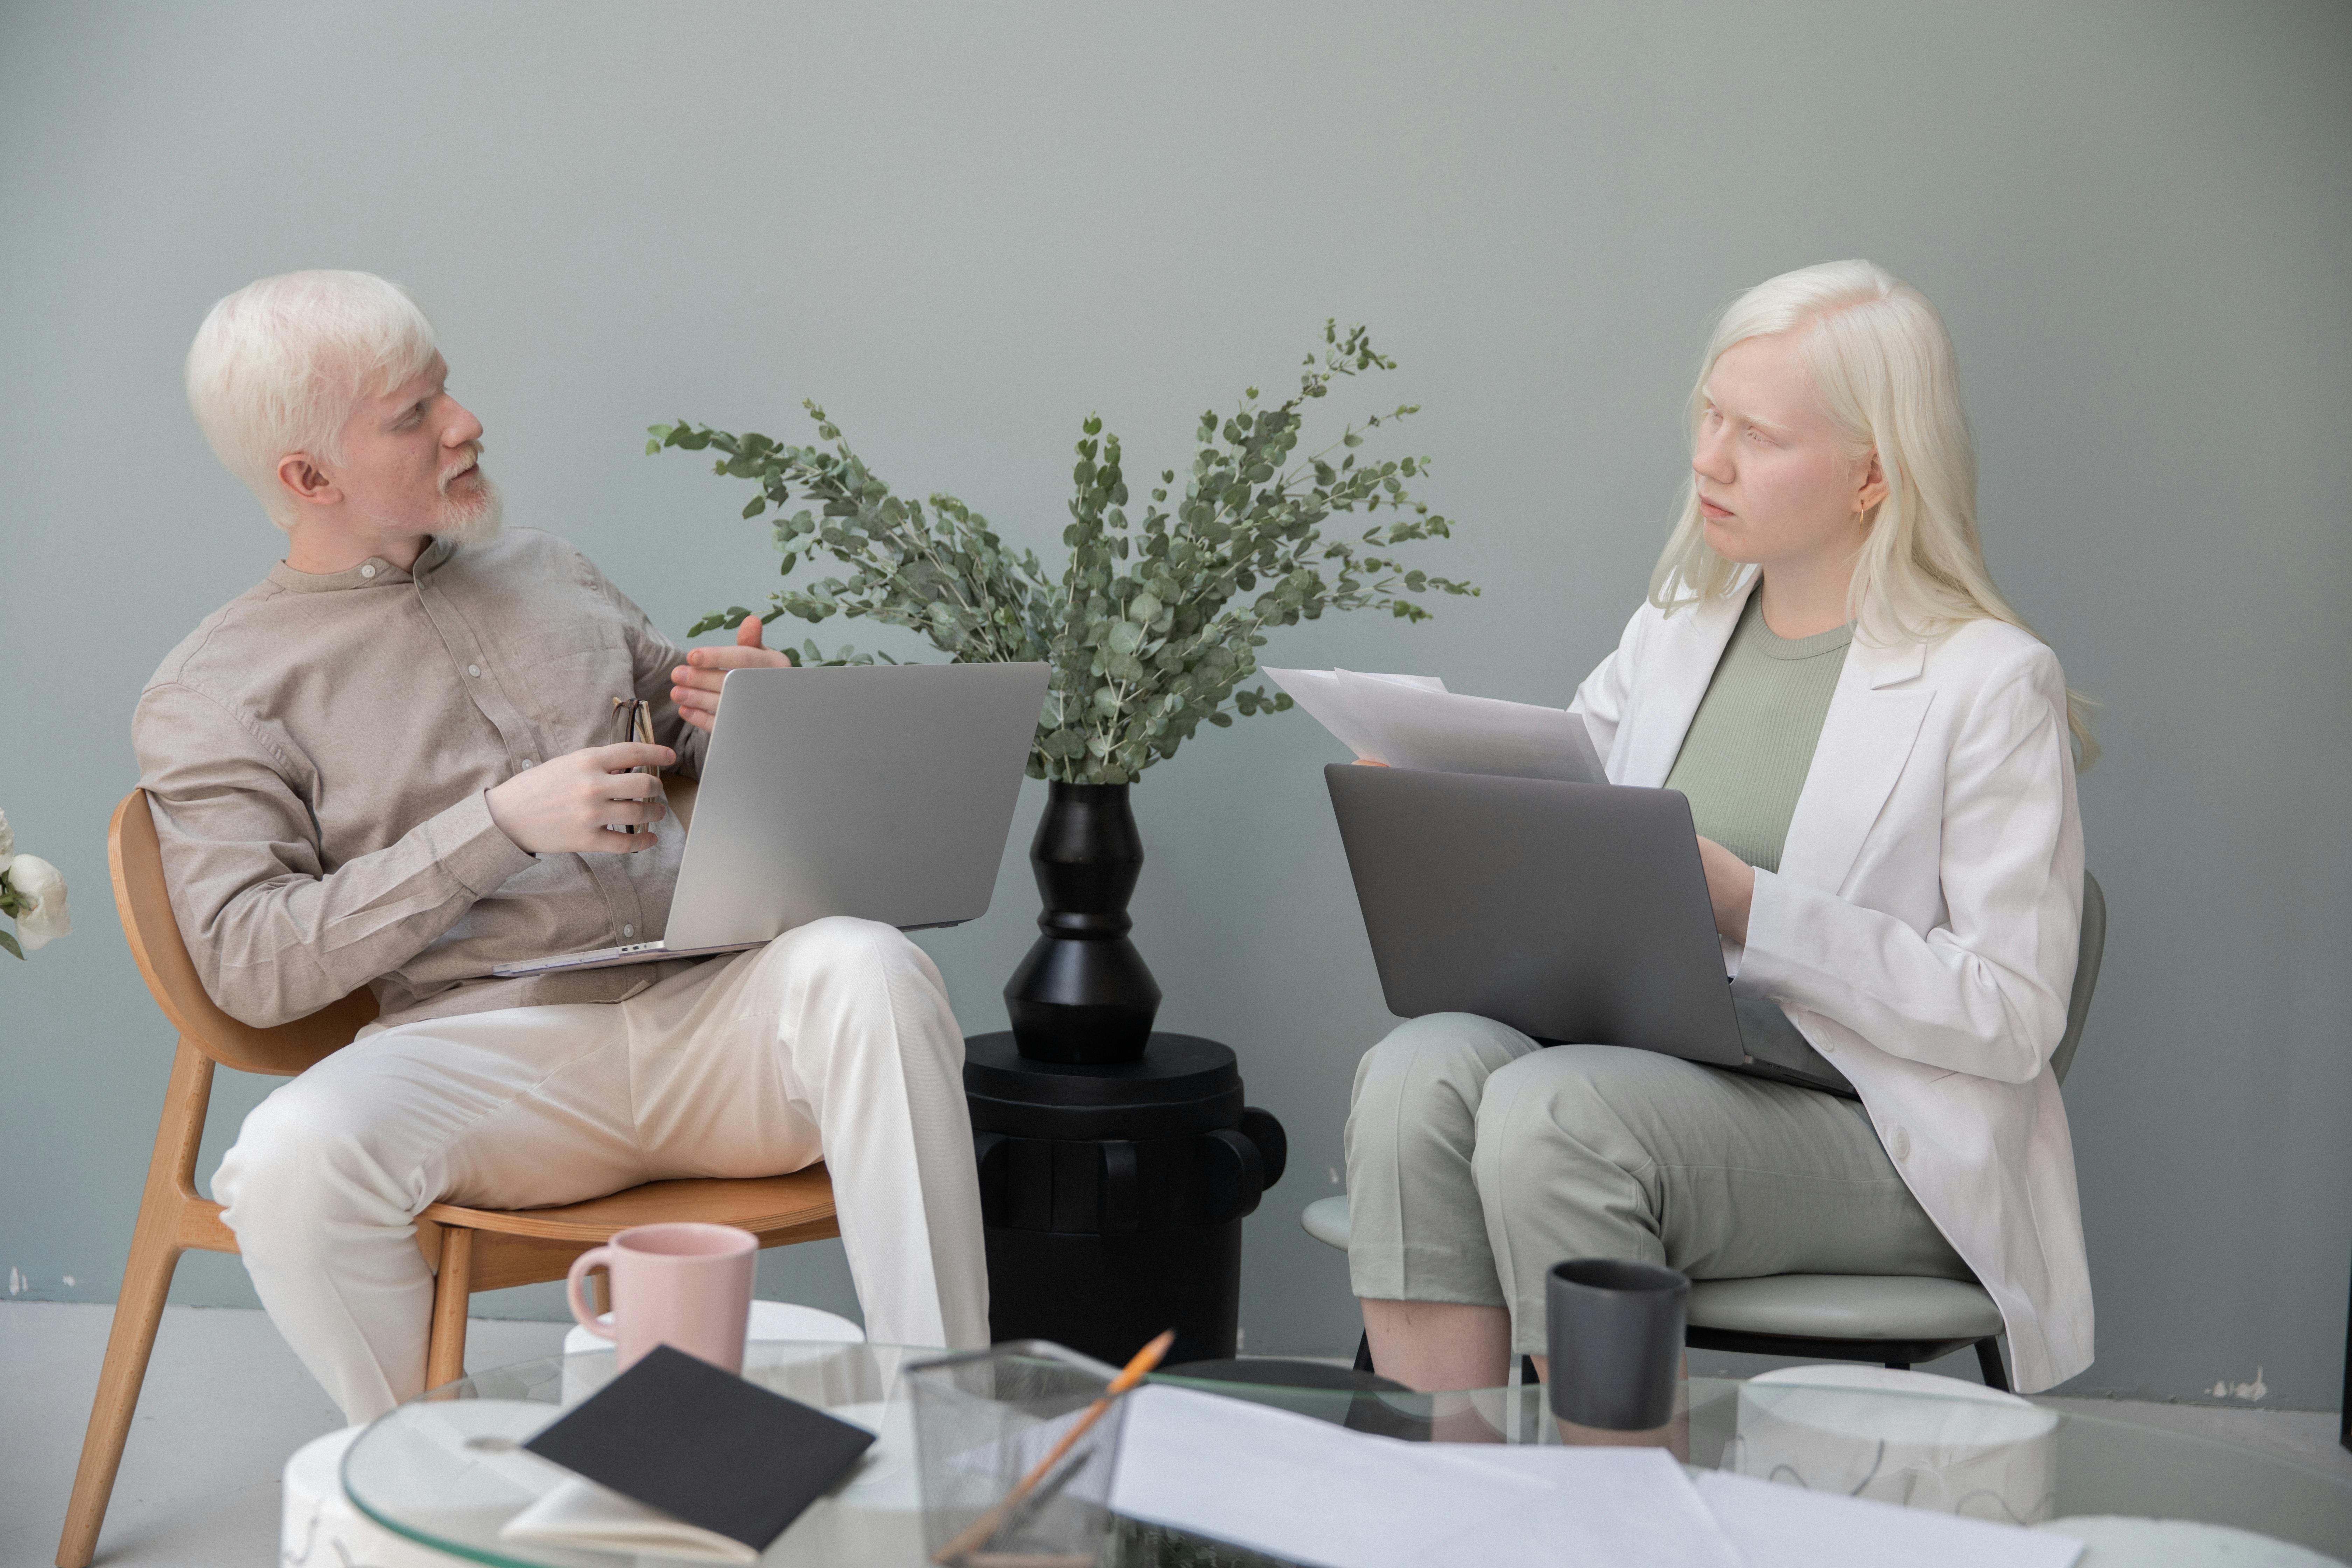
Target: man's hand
{"points": [[695, 684], [565, 804], [1730, 888]]}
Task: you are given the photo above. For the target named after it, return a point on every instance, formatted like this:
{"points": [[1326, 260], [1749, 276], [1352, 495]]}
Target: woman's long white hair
{"points": [[1882, 364]]}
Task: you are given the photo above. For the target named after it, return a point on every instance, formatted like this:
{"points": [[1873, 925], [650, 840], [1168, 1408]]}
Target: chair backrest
{"points": [[136, 858], [2086, 974]]}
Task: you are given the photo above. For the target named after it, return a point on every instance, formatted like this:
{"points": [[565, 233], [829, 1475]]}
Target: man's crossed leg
{"points": [[834, 1042]]}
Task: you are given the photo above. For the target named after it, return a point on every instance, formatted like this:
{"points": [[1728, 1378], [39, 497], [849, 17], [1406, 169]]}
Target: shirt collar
{"points": [[376, 572]]}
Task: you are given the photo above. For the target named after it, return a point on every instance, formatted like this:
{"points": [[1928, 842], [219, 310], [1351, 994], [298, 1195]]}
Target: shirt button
{"points": [[368, 570], [628, 931], [473, 670], [1898, 1144], [528, 762]]}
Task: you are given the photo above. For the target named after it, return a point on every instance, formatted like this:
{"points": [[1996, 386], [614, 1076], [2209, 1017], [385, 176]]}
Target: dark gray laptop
{"points": [[1571, 912]]}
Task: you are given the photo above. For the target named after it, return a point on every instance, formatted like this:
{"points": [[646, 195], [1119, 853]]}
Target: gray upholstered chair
{"points": [[1895, 1320]]}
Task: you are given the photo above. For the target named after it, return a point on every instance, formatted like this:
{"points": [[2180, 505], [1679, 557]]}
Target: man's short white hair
{"points": [[279, 366]]}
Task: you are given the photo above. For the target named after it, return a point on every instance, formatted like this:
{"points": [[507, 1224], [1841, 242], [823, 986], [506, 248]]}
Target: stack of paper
{"points": [[1306, 1490], [1413, 721]]}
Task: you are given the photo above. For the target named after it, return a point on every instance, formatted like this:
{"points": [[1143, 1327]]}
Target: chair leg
{"points": [[1988, 1361], [138, 1311], [155, 1249], [445, 1351]]}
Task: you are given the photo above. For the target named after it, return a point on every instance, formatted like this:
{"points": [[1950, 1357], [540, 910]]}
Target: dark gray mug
{"points": [[1615, 1332]]}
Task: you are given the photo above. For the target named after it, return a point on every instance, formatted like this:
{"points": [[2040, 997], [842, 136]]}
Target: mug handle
{"points": [[594, 1257]]}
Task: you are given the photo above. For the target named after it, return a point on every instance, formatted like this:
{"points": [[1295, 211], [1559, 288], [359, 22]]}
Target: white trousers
{"points": [[834, 1042]]}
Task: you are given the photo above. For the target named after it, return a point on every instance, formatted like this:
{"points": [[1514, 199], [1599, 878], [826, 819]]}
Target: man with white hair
{"points": [[385, 766]]}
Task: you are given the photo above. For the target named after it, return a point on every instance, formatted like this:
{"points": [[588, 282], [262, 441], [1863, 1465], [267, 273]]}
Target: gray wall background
{"points": [[962, 228]]}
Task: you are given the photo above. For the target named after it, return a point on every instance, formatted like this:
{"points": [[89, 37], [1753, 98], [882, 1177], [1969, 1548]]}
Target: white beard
{"points": [[471, 522]]}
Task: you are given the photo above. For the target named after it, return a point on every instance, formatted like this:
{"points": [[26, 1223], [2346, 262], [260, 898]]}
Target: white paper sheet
{"points": [[1312, 1493], [580, 1513], [1603, 1505], [1780, 1526], [1409, 721], [1317, 691]]}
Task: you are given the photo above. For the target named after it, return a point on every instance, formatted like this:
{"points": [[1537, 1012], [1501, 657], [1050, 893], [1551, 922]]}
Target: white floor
{"points": [[226, 1403]]}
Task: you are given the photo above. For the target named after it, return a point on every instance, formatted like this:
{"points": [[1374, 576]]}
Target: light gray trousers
{"points": [[1476, 1160]]}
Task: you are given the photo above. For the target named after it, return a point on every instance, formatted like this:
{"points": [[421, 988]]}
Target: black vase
{"points": [[1083, 994]]}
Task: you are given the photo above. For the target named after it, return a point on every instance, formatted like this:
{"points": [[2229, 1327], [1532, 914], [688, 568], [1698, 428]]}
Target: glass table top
{"points": [[446, 1470]]}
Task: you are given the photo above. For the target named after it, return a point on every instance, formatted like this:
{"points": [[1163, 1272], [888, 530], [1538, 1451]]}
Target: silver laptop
{"points": [[1571, 912], [884, 792]]}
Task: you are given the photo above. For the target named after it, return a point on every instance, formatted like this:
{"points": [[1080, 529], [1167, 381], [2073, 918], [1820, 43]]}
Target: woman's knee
{"points": [[1439, 1053], [1424, 1080], [1565, 1104]]}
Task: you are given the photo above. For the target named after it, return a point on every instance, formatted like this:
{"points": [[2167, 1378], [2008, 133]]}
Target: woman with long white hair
{"points": [[1880, 758]]}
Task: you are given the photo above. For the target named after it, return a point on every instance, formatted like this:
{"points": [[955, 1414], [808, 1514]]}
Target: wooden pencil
{"points": [[1136, 1370]]}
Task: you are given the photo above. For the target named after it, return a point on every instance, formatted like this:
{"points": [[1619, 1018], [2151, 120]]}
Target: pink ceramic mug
{"points": [[684, 1285]]}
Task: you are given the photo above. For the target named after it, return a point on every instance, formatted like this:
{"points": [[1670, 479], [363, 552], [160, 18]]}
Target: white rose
{"points": [[7, 841], [41, 914]]}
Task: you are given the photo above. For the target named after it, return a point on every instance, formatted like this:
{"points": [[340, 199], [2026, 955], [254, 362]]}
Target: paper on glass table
{"points": [[578, 1512], [1296, 1488], [1781, 1526], [1615, 1505], [1413, 721]]}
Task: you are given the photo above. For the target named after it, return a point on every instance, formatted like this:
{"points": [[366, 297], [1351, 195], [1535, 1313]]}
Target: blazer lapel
{"points": [[1874, 721], [1673, 679]]}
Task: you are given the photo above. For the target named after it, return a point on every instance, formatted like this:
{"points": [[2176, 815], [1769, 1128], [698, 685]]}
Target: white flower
{"points": [[41, 914], [7, 841]]}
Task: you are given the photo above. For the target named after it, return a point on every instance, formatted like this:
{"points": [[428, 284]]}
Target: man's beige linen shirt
{"points": [[317, 752]]}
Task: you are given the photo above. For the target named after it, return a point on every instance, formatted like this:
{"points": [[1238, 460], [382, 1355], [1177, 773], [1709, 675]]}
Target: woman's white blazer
{"points": [[1922, 928]]}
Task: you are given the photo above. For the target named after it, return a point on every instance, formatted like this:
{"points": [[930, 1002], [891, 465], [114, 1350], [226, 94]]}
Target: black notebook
{"points": [[682, 1436]]}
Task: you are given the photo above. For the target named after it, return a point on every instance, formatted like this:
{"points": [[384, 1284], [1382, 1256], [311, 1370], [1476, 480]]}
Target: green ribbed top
{"points": [[1743, 764]]}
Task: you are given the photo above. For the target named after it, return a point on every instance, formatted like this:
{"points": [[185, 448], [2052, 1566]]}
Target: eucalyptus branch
{"points": [[1153, 626]]}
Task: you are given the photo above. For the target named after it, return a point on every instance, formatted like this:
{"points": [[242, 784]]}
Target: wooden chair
{"points": [[471, 1249]]}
